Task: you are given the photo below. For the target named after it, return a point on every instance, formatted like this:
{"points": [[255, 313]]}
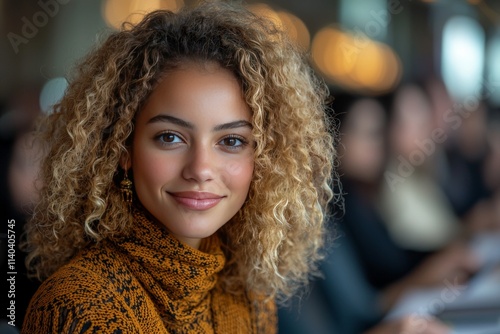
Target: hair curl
{"points": [[274, 241]]}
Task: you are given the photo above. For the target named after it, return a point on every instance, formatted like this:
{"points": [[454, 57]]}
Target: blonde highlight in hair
{"points": [[274, 241]]}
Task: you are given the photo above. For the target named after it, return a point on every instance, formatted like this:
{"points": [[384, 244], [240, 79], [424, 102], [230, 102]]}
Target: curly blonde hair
{"points": [[274, 241]]}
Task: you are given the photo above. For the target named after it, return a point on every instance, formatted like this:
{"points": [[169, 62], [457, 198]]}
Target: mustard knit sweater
{"points": [[146, 283]]}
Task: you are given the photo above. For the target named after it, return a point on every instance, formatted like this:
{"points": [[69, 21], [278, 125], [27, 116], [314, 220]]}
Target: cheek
{"points": [[152, 169], [237, 174]]}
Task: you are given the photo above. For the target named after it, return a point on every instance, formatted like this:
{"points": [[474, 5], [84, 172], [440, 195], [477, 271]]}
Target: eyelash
{"points": [[242, 140], [159, 137]]}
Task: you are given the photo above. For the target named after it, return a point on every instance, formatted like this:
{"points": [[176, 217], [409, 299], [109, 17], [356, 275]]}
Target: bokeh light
{"points": [[264, 10], [354, 62], [52, 92], [296, 29], [291, 24], [463, 56], [115, 12]]}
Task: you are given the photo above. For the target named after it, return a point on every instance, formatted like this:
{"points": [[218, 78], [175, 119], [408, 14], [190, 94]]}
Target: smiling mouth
{"points": [[194, 200]]}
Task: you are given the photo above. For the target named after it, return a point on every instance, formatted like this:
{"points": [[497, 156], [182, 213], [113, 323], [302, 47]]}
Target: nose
{"points": [[200, 165]]}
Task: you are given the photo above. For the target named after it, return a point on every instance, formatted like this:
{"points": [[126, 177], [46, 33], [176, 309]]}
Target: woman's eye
{"points": [[233, 142], [169, 138]]}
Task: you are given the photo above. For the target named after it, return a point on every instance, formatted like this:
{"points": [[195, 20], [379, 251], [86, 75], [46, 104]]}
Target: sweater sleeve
{"points": [[76, 300]]}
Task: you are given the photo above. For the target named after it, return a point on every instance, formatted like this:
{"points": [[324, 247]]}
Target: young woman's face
{"points": [[192, 153]]}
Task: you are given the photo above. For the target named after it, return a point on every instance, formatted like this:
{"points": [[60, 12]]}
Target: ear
{"points": [[126, 161]]}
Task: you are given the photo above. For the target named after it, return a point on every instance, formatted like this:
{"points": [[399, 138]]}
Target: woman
{"points": [[185, 180]]}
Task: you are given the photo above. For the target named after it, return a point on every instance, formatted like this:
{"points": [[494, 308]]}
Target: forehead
{"points": [[193, 90]]}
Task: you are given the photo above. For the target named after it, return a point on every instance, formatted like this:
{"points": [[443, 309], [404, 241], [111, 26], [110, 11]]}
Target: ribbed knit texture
{"points": [[146, 283]]}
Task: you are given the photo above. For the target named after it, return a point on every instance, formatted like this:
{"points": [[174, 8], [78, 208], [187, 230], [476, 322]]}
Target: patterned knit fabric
{"points": [[146, 283]]}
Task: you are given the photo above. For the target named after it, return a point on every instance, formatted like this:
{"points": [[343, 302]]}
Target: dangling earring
{"points": [[126, 188]]}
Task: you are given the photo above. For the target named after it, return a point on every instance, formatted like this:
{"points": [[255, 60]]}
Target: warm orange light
{"points": [[285, 21], [173, 5], [331, 53], [369, 68], [323, 50], [266, 11], [343, 56], [115, 12], [362, 65], [393, 70], [296, 29]]}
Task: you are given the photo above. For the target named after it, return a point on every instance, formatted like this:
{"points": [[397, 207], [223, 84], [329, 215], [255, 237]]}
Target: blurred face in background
{"points": [[362, 156], [23, 172], [413, 121]]}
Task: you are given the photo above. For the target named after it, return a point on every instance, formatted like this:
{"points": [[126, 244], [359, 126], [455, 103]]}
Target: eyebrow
{"points": [[188, 125], [171, 119], [233, 125]]}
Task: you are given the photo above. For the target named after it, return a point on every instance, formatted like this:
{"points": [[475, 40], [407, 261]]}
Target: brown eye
{"points": [[232, 142], [169, 138]]}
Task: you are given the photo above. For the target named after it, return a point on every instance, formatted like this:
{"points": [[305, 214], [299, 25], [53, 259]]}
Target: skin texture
{"points": [[192, 151]]}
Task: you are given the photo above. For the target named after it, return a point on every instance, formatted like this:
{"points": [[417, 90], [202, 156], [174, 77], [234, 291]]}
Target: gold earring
{"points": [[126, 188]]}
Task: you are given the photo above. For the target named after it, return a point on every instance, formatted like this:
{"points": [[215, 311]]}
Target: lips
{"points": [[195, 200]]}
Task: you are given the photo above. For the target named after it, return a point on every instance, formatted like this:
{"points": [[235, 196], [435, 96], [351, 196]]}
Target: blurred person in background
{"points": [[366, 272], [471, 169], [19, 175], [466, 152], [393, 268], [363, 159], [23, 173], [467, 162], [418, 215]]}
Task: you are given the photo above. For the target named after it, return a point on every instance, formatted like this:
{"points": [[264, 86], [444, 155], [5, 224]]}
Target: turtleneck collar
{"points": [[178, 278]]}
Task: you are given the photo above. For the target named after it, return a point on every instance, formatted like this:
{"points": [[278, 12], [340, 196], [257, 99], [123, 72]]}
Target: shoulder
{"points": [[94, 272], [86, 294], [265, 312]]}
